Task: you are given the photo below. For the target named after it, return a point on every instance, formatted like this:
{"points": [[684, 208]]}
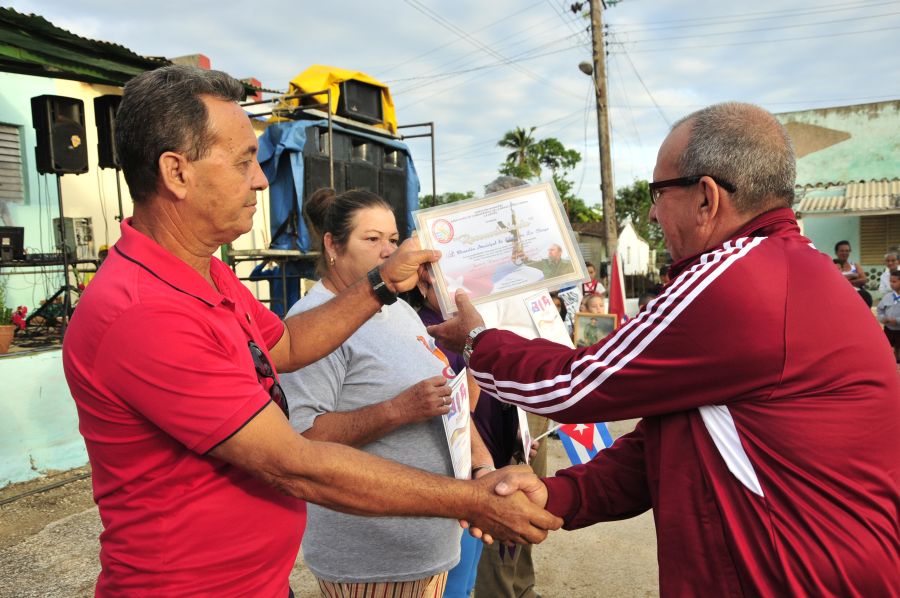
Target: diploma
{"points": [[501, 245]]}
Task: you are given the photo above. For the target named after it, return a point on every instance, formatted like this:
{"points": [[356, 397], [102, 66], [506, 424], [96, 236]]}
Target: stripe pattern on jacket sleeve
{"points": [[589, 372]]}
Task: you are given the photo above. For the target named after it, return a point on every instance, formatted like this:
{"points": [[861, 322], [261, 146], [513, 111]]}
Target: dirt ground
{"points": [[49, 546]]}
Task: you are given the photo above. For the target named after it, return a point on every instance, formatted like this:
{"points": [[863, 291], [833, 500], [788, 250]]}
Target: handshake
{"points": [[509, 507]]}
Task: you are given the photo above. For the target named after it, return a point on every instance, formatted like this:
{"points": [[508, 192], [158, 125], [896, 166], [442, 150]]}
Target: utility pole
{"points": [[606, 179]]}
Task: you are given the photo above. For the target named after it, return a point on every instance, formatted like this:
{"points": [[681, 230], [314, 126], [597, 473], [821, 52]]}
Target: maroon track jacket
{"points": [[769, 447]]}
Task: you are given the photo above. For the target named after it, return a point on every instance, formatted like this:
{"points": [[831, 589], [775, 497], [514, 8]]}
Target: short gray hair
{"points": [[162, 111], [503, 182], [891, 253], [745, 146]]}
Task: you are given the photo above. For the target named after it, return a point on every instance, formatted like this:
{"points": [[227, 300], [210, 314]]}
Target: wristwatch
{"points": [[382, 291], [470, 343]]}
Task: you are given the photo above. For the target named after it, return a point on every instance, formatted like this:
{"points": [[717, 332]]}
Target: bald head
{"points": [[746, 146]]}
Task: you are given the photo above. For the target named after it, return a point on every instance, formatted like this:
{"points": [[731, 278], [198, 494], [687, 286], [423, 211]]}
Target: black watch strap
{"points": [[382, 291]]}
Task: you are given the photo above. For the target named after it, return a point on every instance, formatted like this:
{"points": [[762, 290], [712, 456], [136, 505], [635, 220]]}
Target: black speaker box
{"points": [[315, 175], [393, 190], [59, 127], [362, 175], [105, 116], [360, 101]]}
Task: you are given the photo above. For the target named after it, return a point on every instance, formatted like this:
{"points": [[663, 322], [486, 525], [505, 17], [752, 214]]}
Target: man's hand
{"points": [[452, 333], [513, 516], [401, 271], [421, 401], [515, 482]]}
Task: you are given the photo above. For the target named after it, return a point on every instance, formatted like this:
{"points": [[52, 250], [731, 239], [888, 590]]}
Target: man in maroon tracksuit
{"points": [[768, 448]]}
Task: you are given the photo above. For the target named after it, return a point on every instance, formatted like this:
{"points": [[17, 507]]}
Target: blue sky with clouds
{"points": [[478, 69]]}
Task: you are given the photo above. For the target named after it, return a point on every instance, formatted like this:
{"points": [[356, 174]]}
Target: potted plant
{"points": [[7, 328]]}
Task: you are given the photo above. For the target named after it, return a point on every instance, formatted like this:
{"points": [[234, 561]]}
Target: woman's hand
{"points": [[421, 401]]}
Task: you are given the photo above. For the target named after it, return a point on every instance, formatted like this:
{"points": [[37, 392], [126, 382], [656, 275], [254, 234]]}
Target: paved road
{"points": [[49, 546]]}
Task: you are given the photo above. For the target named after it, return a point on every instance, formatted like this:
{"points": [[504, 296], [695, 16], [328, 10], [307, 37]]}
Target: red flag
{"points": [[617, 290]]}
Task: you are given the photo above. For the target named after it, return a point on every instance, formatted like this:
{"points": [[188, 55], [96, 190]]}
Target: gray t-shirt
{"points": [[387, 355]]}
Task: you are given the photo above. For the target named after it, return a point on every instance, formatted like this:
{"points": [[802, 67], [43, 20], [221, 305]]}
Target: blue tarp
{"points": [[281, 158]]}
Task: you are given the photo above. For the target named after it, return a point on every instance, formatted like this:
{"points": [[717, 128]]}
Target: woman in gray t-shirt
{"points": [[383, 391]]}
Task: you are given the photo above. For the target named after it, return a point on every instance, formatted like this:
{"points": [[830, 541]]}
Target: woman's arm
{"points": [[424, 400], [860, 279]]}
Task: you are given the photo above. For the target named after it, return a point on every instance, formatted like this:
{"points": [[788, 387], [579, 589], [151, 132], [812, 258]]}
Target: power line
{"points": [[758, 42], [437, 18], [418, 57], [750, 16], [765, 29]]}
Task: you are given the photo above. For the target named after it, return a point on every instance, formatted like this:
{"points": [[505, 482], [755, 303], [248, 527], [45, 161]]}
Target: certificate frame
{"points": [[501, 245], [607, 324]]}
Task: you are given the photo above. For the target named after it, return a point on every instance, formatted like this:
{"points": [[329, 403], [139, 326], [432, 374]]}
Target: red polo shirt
{"points": [[159, 366]]}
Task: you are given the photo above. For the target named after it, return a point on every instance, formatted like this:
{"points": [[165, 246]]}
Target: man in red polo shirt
{"points": [[173, 365]]}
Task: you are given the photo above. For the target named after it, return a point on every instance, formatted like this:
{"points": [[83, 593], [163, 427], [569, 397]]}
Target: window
{"points": [[12, 187], [878, 234]]}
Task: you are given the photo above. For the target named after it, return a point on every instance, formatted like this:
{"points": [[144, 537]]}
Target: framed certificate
{"points": [[501, 245], [590, 328]]}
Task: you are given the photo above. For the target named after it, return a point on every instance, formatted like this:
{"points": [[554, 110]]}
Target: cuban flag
{"points": [[584, 441]]}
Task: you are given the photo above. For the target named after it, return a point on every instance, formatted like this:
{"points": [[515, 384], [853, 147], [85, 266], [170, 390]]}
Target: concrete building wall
{"points": [[39, 427]]}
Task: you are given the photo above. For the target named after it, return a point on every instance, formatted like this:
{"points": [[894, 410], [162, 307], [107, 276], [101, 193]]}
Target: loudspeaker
{"points": [[105, 116], [393, 190], [362, 175], [315, 175], [59, 127], [360, 101]]}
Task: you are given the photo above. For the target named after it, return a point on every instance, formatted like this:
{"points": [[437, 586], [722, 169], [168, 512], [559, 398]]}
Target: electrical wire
{"points": [[757, 42], [762, 30], [745, 17]]}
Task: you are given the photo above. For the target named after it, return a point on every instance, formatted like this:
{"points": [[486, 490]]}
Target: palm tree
{"points": [[524, 159]]}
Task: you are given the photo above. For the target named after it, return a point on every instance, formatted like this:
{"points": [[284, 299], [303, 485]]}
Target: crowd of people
{"points": [[222, 439]]}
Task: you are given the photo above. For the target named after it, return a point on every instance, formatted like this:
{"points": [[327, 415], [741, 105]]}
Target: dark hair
{"points": [[163, 111], [330, 213], [664, 270], [590, 265], [895, 273], [839, 243]]}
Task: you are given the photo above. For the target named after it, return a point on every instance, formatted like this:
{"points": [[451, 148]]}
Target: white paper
{"points": [[456, 427], [546, 318], [525, 433]]}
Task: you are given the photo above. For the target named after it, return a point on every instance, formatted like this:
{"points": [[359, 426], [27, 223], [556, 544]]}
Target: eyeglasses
{"points": [[264, 370], [657, 186]]}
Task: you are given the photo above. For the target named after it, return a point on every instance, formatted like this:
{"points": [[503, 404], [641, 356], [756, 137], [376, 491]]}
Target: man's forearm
{"points": [[354, 428], [315, 333], [353, 482]]}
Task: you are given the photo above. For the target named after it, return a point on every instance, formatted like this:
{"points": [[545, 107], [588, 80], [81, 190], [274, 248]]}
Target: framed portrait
{"points": [[592, 328], [501, 245]]}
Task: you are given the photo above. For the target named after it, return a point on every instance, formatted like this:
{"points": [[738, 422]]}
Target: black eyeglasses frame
{"points": [[685, 181]]}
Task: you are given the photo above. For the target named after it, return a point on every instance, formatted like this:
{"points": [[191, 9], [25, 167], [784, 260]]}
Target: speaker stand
{"points": [[64, 289], [121, 215]]}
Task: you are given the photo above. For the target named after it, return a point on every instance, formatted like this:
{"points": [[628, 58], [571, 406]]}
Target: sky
{"points": [[478, 69]]}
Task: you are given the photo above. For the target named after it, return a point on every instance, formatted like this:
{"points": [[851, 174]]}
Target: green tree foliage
{"points": [[634, 201], [530, 157], [444, 198], [524, 160]]}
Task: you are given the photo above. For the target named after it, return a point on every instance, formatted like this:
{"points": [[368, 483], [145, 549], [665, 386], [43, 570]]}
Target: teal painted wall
{"points": [[40, 207], [39, 427], [825, 232]]}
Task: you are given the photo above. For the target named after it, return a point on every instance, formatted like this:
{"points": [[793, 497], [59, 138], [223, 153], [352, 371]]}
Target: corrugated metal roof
{"points": [[32, 45], [867, 198]]}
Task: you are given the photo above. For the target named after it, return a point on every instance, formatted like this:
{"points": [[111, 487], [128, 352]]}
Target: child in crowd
{"points": [[594, 304], [889, 313]]}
